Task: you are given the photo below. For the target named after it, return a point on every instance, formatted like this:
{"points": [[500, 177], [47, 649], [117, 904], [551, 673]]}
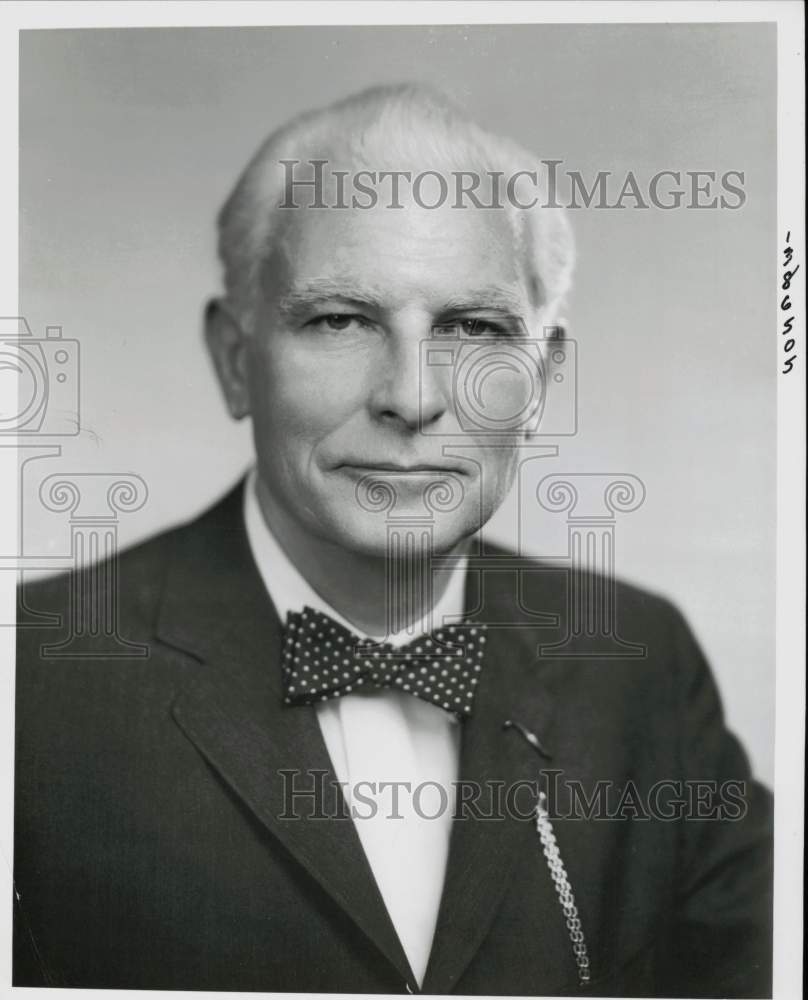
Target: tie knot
{"points": [[322, 659]]}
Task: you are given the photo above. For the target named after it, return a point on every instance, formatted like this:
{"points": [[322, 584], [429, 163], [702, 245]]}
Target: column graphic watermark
{"points": [[94, 502], [43, 410], [591, 502]]}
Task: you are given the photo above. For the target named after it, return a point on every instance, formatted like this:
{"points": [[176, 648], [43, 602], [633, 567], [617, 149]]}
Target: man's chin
{"points": [[403, 537]]}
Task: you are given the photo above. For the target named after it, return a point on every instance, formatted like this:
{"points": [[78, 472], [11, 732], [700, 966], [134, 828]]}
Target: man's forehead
{"points": [[446, 254], [407, 220]]}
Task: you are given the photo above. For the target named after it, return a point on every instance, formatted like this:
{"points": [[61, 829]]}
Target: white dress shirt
{"points": [[382, 737]]}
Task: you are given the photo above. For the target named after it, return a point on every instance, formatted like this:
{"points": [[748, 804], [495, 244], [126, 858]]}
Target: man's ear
{"points": [[227, 344]]}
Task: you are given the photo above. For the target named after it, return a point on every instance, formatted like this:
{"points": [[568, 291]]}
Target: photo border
{"points": [[790, 608]]}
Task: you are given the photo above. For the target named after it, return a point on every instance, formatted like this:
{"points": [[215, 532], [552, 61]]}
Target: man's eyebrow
{"points": [[349, 292], [316, 290], [492, 297]]}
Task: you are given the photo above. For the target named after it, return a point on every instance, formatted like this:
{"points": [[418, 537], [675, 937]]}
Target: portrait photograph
{"points": [[403, 481]]}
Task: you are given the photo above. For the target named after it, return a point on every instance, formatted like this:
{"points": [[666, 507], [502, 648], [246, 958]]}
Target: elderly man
{"points": [[349, 762]]}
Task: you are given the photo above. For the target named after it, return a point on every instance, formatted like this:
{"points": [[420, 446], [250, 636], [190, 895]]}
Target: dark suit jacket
{"points": [[151, 851]]}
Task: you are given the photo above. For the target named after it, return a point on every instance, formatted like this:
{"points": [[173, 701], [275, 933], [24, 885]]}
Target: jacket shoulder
{"points": [[565, 590], [132, 577]]}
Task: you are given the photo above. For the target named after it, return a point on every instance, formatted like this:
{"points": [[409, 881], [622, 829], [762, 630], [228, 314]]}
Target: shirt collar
{"points": [[290, 591]]}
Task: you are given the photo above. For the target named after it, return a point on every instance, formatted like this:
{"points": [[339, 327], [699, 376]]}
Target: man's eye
{"points": [[336, 322], [482, 328]]}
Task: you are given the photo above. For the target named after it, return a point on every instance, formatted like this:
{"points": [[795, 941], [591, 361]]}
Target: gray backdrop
{"points": [[130, 140]]}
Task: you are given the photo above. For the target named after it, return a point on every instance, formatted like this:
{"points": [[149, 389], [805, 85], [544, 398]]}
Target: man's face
{"points": [[340, 391]]}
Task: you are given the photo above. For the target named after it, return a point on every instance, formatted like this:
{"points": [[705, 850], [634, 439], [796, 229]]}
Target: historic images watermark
{"points": [[516, 392], [550, 185], [312, 795], [507, 388], [46, 372], [503, 381]]}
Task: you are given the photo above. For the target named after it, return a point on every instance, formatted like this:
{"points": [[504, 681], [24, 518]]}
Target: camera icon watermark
{"points": [[502, 385], [45, 380]]}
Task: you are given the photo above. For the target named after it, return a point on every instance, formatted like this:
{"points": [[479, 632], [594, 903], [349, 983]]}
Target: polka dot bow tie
{"points": [[322, 659]]}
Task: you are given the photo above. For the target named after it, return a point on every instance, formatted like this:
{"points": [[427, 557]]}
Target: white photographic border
{"points": [[790, 660]]}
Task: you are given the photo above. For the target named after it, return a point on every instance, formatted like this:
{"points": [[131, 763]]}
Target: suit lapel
{"points": [[483, 851], [215, 607]]}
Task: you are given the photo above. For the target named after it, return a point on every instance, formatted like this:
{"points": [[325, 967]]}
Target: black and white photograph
{"points": [[403, 479]]}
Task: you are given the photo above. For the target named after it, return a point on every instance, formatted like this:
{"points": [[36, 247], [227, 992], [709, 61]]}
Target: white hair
{"points": [[381, 129]]}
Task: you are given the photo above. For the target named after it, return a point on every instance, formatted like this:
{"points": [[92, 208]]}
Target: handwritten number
{"points": [[787, 276], [786, 305]]}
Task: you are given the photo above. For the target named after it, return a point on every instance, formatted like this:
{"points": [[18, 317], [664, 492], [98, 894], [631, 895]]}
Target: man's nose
{"points": [[409, 393]]}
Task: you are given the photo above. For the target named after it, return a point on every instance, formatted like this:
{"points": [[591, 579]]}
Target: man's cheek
{"points": [[511, 394], [312, 408], [498, 471], [329, 383]]}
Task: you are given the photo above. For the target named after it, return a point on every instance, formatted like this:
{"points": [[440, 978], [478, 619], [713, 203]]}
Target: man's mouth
{"points": [[401, 468]]}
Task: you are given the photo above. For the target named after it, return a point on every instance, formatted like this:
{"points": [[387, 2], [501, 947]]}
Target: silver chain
{"points": [[563, 889]]}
